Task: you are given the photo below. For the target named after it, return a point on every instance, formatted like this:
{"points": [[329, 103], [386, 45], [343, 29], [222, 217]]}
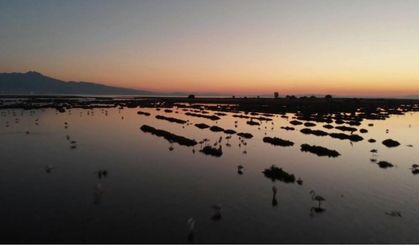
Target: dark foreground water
{"points": [[52, 192]]}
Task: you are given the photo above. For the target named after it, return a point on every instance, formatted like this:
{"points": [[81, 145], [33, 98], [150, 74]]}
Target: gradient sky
{"points": [[342, 47]]}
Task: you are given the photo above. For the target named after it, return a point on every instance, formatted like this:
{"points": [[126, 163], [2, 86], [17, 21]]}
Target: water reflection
{"points": [[153, 190], [274, 200]]}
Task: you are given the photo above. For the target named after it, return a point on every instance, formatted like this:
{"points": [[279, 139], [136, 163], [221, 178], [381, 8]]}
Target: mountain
{"points": [[34, 83]]}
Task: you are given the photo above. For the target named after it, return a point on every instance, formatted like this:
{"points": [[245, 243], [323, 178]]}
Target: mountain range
{"points": [[34, 83]]}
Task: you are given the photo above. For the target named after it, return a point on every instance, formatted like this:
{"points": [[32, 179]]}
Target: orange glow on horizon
{"points": [[365, 48]]}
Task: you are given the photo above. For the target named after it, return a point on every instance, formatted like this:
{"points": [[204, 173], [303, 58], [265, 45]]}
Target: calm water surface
{"points": [[150, 192]]}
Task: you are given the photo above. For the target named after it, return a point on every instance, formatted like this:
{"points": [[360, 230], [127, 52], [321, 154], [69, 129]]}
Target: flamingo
{"points": [[316, 197]]}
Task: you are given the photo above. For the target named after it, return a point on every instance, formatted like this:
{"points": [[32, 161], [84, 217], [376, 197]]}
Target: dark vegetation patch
{"points": [[245, 135], [343, 136], [309, 124], [328, 126], [210, 117], [143, 113], [288, 128], [216, 129], [275, 173], [208, 150], [278, 141], [346, 128], [229, 131], [202, 126], [318, 150], [391, 143], [170, 119], [241, 116], [314, 132], [296, 122], [252, 123], [384, 164], [362, 130], [172, 138]]}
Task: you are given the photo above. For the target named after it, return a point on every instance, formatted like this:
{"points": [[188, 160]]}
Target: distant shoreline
{"points": [[197, 97]]}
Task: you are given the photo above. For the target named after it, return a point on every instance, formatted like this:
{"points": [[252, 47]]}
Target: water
{"points": [[151, 192]]}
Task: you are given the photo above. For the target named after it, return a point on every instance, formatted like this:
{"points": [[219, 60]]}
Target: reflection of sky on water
{"points": [[150, 192]]}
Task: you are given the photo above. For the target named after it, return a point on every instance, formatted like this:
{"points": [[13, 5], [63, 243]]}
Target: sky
{"points": [[339, 47]]}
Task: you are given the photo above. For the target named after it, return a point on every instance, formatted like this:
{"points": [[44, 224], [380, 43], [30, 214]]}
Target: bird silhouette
{"points": [[240, 169], [217, 212], [315, 197], [48, 168]]}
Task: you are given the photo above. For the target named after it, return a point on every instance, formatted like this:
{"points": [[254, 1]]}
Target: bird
{"points": [[102, 173], [394, 213], [316, 197], [414, 166], [217, 215], [299, 181], [240, 169], [48, 168]]}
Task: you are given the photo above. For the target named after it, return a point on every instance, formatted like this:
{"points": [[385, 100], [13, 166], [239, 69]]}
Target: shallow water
{"points": [[150, 192]]}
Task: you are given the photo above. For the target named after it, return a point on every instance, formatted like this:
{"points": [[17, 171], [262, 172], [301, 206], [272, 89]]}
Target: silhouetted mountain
{"points": [[36, 83]]}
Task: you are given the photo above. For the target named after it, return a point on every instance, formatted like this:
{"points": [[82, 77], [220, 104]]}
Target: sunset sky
{"points": [[351, 47]]}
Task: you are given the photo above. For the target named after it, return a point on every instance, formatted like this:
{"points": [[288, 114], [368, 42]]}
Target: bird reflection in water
{"points": [[316, 210], [274, 200], [191, 233], [98, 193]]}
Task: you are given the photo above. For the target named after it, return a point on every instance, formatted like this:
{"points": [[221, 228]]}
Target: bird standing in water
{"points": [[316, 197]]}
